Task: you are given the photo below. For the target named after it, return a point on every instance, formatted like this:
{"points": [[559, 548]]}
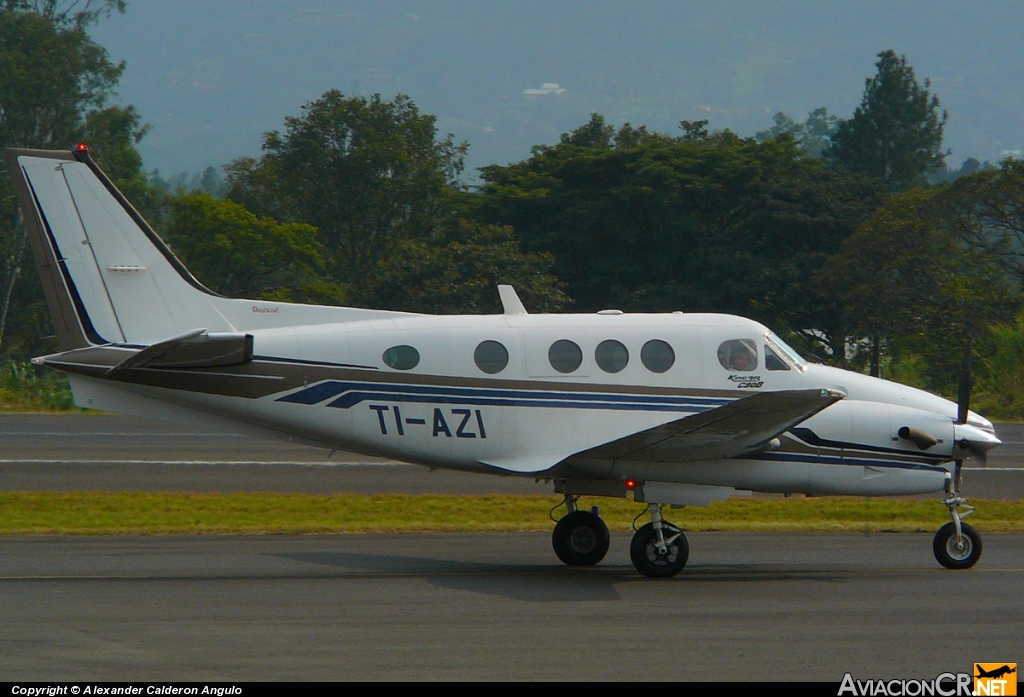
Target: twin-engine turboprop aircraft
{"points": [[679, 409]]}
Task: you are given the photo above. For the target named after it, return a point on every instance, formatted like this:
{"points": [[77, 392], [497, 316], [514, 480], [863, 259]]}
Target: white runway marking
{"points": [[204, 462], [65, 434]]}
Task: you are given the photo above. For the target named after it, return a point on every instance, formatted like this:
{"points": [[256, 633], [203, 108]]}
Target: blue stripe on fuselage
{"points": [[352, 393]]}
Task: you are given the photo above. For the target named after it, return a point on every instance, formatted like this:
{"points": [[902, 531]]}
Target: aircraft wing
{"points": [[744, 426]]}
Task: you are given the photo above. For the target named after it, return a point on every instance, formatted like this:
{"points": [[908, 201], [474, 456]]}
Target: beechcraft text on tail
{"points": [[670, 409]]}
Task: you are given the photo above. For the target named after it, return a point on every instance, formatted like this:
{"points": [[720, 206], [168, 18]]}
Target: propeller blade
{"points": [[963, 402]]}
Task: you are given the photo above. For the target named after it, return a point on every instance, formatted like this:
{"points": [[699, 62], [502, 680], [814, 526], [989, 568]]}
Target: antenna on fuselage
{"points": [[510, 301]]}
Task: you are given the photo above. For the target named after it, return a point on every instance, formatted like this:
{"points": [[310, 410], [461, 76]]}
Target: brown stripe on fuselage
{"points": [[265, 376]]}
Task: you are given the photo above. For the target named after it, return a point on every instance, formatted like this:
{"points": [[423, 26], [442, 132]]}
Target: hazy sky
{"points": [[212, 75]]}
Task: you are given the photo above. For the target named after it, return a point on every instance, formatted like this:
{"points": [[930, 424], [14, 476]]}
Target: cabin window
{"points": [[565, 356], [611, 356], [401, 357], [657, 356], [490, 357], [739, 355], [772, 360]]}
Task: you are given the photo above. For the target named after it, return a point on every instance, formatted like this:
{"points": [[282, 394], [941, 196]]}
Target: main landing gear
{"points": [[659, 549], [580, 538], [957, 545]]}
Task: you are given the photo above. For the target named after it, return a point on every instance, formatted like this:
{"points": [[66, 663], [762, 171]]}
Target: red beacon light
{"points": [[81, 147], [630, 484]]}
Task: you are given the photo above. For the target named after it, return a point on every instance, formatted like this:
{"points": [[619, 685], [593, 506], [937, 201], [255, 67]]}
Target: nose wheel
{"points": [[957, 545], [580, 538], [957, 551]]}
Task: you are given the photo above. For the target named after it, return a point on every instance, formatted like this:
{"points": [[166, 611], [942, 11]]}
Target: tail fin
{"points": [[108, 276]]}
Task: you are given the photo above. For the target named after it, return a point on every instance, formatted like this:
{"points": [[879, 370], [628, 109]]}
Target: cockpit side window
{"points": [[772, 360], [783, 352], [738, 355]]}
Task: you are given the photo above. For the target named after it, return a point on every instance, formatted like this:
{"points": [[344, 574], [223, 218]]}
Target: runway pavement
{"points": [[495, 607], [98, 452], [88, 452], [748, 607]]}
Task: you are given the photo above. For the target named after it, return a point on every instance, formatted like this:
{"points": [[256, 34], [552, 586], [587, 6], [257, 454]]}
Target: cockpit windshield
{"points": [[787, 352]]}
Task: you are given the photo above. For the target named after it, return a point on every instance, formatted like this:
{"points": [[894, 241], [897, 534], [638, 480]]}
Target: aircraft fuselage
{"points": [[331, 384]]}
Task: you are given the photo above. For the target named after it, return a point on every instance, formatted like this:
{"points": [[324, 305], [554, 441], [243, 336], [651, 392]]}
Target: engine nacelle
{"points": [[887, 429]]}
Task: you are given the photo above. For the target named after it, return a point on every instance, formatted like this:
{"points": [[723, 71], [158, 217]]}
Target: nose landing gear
{"points": [[957, 545]]}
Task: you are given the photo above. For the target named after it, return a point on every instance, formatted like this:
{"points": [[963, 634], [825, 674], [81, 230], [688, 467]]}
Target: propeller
{"points": [[979, 450], [963, 401]]}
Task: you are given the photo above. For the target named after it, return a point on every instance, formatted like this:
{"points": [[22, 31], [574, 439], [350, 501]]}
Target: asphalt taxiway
{"points": [[749, 606], [495, 607]]}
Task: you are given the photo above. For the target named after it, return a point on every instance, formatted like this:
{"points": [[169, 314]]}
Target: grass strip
{"points": [[101, 513]]}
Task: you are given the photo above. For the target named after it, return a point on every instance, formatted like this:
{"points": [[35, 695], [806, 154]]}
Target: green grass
{"points": [[24, 388], [100, 513]]}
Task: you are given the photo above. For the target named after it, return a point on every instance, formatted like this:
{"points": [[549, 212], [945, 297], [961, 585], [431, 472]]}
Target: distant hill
{"points": [[211, 77]]}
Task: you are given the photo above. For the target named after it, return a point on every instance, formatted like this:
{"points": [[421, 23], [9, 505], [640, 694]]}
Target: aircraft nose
{"points": [[970, 440]]}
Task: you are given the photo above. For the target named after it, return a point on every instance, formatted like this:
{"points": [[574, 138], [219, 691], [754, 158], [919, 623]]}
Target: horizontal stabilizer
{"points": [[744, 426], [194, 349]]}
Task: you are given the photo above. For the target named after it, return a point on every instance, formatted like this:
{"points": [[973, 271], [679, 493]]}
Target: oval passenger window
{"points": [[611, 356], [565, 356], [401, 357], [490, 357], [657, 356]]}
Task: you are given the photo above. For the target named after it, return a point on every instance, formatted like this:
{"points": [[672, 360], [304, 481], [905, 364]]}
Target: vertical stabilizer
{"points": [[108, 277]]}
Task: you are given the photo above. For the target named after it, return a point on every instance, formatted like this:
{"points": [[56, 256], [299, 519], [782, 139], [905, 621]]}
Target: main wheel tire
{"points": [[953, 556], [580, 538], [643, 550]]}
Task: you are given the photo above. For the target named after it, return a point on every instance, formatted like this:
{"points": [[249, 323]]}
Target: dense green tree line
{"points": [[827, 230], [696, 222]]}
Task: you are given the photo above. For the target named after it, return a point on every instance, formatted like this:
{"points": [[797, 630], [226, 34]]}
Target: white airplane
{"points": [[674, 409]]}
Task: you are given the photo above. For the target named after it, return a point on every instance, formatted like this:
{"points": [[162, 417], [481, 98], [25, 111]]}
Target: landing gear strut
{"points": [[957, 545], [580, 538], [659, 549]]}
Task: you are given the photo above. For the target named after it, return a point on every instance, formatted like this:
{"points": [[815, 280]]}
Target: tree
{"points": [[697, 222], [910, 280], [237, 254], [462, 269], [814, 135], [113, 133], [49, 78], [67, 14], [986, 209], [51, 75], [895, 135], [367, 173]]}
